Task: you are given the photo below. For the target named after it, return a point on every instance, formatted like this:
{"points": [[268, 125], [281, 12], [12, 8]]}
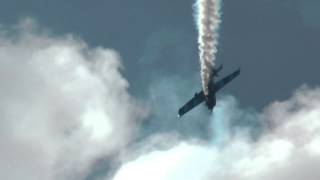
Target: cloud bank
{"points": [[64, 106], [289, 147]]}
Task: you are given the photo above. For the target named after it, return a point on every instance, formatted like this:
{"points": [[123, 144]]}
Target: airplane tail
{"points": [[215, 71], [220, 84]]}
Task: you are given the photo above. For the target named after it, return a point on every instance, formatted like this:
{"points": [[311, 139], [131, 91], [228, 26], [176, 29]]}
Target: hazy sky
{"points": [[274, 42]]}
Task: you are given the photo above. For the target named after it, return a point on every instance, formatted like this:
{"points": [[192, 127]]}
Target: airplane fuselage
{"points": [[211, 97]]}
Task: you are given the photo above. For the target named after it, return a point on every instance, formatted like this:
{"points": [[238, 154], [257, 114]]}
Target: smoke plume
{"points": [[208, 20]]}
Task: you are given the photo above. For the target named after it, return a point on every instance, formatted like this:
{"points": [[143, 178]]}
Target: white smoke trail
{"points": [[208, 20]]}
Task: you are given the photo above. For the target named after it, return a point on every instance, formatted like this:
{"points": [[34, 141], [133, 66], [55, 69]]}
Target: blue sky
{"points": [[274, 42]]}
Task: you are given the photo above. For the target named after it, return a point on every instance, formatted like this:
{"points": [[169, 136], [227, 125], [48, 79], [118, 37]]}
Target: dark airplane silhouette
{"points": [[213, 88]]}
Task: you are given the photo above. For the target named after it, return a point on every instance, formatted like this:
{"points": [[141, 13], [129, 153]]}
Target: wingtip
{"points": [[238, 70]]}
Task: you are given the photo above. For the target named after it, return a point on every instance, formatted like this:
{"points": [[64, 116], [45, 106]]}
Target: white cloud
{"points": [[288, 149], [63, 105]]}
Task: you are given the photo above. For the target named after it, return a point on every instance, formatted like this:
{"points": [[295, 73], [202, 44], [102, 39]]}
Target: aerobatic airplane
{"points": [[213, 88]]}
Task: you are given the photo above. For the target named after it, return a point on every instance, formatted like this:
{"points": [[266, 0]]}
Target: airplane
{"points": [[213, 88]]}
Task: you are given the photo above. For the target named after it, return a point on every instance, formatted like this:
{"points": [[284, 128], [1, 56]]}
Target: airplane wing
{"points": [[226, 80], [196, 100]]}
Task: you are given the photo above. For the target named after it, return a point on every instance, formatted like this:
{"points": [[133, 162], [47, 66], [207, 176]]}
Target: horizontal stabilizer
{"points": [[216, 71]]}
